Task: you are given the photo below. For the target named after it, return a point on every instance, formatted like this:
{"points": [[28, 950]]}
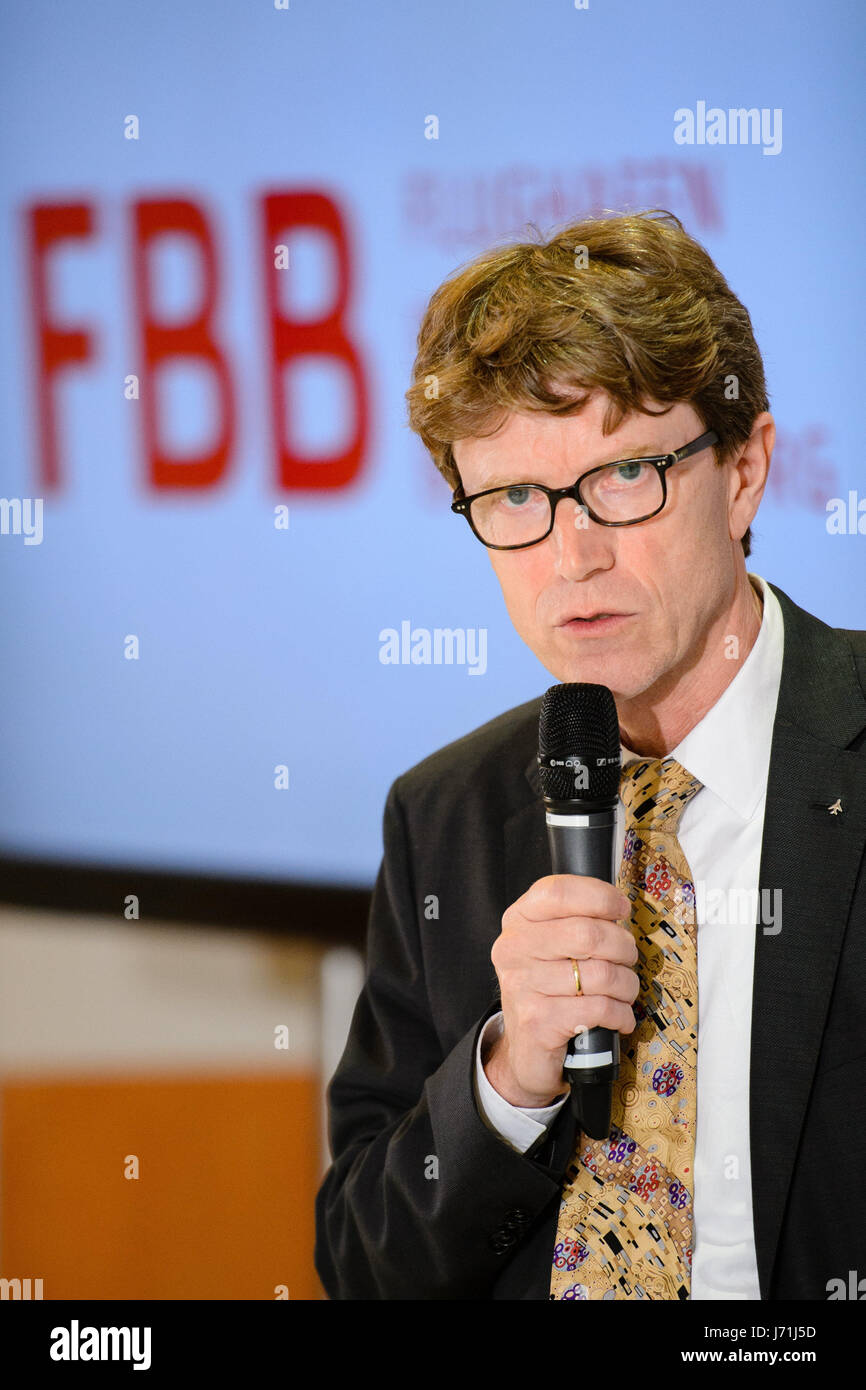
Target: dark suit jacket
{"points": [[423, 1199]]}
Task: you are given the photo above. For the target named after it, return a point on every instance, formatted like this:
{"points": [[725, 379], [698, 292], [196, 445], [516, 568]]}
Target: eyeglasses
{"points": [[623, 493]]}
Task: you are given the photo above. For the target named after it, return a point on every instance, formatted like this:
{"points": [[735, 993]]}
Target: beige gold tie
{"points": [[626, 1216]]}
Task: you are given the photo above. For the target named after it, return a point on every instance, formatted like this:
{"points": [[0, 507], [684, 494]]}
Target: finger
{"points": [[569, 1017], [570, 895], [601, 977], [585, 938], [601, 1012], [554, 979]]}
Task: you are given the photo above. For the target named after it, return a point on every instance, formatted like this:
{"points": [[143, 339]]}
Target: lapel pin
{"points": [[836, 808]]}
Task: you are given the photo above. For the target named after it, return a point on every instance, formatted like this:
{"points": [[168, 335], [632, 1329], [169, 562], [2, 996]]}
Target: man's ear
{"points": [[749, 468]]}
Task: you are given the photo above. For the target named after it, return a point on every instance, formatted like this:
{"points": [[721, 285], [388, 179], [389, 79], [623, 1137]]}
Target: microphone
{"points": [[579, 762]]}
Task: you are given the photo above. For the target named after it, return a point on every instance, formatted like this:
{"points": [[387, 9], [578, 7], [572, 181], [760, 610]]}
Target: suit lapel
{"points": [[811, 856]]}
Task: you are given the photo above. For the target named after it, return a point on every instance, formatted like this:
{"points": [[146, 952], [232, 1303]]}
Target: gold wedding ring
{"points": [[576, 974]]}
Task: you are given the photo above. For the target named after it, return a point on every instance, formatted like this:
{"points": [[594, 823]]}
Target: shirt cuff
{"points": [[518, 1127]]}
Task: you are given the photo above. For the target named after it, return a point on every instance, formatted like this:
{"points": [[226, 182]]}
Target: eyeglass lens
{"points": [[520, 513]]}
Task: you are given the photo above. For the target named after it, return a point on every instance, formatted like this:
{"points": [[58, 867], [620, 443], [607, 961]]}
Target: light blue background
{"points": [[260, 647]]}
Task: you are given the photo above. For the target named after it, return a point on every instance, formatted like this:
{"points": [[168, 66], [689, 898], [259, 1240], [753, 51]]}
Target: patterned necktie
{"points": [[626, 1216]]}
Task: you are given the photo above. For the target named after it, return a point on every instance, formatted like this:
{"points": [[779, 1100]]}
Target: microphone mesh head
{"points": [[579, 755]]}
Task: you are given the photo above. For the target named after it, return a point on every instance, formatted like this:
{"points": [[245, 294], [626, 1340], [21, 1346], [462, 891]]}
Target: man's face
{"points": [[666, 579]]}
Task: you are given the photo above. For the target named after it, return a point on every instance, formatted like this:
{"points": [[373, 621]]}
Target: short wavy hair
{"points": [[628, 303]]}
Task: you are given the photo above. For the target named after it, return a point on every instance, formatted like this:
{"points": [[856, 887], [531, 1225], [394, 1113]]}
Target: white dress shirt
{"points": [[720, 832]]}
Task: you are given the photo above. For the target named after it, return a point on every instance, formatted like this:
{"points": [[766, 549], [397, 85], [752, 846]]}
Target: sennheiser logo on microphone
{"points": [[576, 762], [579, 768]]}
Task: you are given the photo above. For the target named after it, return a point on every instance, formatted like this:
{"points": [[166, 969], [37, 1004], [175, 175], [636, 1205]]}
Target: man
{"points": [[598, 405]]}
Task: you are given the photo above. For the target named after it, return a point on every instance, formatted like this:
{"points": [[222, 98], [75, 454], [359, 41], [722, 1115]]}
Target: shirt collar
{"points": [[729, 749]]}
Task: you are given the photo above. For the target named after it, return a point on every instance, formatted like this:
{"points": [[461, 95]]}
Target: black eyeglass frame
{"points": [[660, 462]]}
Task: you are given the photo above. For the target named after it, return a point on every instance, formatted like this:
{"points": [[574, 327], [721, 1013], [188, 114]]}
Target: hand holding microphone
{"points": [[560, 918]]}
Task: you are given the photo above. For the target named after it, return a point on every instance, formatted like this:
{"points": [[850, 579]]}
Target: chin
{"points": [[619, 676], [590, 672]]}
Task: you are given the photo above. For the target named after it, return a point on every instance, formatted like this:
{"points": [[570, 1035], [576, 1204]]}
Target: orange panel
{"points": [[222, 1207]]}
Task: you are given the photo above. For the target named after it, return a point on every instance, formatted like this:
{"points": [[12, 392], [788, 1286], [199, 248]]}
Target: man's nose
{"points": [[580, 545]]}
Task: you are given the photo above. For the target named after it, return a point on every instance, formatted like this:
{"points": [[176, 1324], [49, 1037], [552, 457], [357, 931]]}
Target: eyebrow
{"points": [[509, 480]]}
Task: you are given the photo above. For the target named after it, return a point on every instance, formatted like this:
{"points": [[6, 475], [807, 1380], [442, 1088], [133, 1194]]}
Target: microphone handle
{"points": [[583, 843]]}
